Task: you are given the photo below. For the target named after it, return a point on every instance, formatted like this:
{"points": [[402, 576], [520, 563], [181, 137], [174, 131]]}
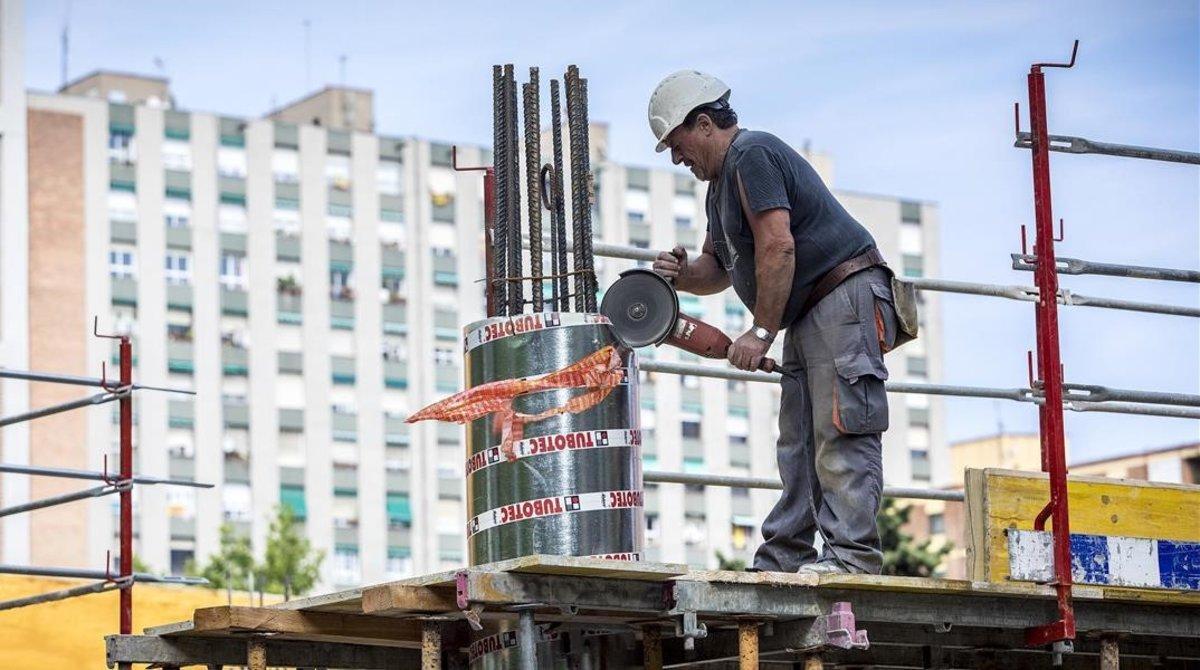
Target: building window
{"points": [[121, 148], [285, 166], [178, 268], [937, 524], [341, 284], [444, 356], [690, 429], [388, 178], [920, 464], [177, 156], [637, 217], [683, 222], [121, 264], [231, 162], [345, 565], [914, 265], [910, 212], [918, 416], [233, 272], [337, 172], [918, 366]]}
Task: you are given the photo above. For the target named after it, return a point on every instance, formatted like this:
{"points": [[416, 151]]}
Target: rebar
{"points": [[585, 171], [578, 185], [516, 299], [497, 283], [560, 211], [68, 473], [1075, 266], [533, 159], [1079, 145]]}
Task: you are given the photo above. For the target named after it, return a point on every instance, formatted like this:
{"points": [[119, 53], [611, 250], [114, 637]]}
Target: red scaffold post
{"points": [[1049, 363], [126, 496]]}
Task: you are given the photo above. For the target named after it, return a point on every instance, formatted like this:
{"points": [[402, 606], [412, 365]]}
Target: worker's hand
{"points": [[672, 264], [747, 352]]}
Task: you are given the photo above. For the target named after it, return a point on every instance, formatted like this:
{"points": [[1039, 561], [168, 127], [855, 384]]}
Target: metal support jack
{"points": [[1049, 365]]}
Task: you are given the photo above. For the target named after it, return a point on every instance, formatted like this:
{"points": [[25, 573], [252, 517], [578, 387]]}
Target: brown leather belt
{"points": [[838, 275]]}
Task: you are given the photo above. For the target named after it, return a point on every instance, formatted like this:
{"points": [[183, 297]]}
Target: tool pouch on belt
{"points": [[904, 298]]}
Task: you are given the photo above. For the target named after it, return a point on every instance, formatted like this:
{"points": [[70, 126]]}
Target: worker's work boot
{"points": [[822, 568]]}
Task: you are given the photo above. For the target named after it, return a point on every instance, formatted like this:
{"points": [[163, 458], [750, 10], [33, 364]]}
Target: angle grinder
{"points": [[644, 309]]}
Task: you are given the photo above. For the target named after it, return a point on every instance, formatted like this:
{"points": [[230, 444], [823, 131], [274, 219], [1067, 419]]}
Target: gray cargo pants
{"points": [[833, 413]]}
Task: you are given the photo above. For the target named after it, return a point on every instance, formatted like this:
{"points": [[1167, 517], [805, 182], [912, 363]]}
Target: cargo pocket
{"points": [[859, 398], [885, 318]]}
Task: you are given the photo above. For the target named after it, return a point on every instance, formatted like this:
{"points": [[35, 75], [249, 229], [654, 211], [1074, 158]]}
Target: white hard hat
{"points": [[677, 95]]}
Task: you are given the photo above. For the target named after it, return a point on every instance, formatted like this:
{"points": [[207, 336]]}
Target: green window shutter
{"points": [[399, 509], [293, 497]]}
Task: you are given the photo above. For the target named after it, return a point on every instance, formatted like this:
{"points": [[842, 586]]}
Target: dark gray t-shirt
{"points": [[776, 177]]}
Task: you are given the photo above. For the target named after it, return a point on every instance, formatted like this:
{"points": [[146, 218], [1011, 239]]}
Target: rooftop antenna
{"points": [[307, 56], [66, 42]]}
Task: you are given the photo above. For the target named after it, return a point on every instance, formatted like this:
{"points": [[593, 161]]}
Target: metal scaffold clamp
{"points": [[839, 629]]}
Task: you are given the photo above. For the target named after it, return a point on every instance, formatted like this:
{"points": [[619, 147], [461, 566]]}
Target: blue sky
{"points": [[910, 99]]}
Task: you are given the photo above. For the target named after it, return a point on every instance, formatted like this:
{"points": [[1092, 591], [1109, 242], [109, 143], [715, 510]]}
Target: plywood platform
{"points": [[627, 598]]}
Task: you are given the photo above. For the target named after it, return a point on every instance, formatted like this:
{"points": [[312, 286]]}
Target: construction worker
{"points": [[804, 266]]}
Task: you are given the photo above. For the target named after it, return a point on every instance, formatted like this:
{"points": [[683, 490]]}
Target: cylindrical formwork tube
{"points": [[557, 200], [516, 299], [502, 648], [575, 488], [498, 285], [533, 159]]}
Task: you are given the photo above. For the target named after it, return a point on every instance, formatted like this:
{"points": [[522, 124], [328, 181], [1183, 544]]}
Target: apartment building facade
{"points": [[309, 283]]}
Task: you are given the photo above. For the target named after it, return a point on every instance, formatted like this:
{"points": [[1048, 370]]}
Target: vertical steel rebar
{"points": [[513, 184], [498, 286], [570, 80], [533, 159], [560, 212], [585, 170]]}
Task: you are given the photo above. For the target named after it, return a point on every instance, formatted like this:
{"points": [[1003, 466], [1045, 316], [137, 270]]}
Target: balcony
{"points": [[345, 480], [739, 454], [122, 177], [447, 378], [179, 296], [395, 374], [291, 420], [179, 356], [181, 467], [233, 243], [287, 246], [395, 432], [345, 427], [342, 369], [124, 291], [179, 237], [397, 482], [124, 232], [237, 414], [693, 501], [345, 536], [180, 413], [290, 362], [237, 470], [288, 307], [395, 318], [234, 301], [690, 400], [392, 260], [450, 488], [341, 253], [341, 312], [692, 448], [234, 360], [182, 529]]}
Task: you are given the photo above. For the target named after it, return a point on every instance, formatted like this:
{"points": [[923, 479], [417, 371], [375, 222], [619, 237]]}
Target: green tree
{"points": [[232, 565], [730, 563], [901, 555], [291, 566]]}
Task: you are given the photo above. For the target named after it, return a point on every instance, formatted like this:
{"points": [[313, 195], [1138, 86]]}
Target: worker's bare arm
{"points": [[702, 276]]}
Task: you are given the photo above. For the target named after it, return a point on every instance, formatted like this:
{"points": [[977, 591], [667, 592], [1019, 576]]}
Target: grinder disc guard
{"points": [[642, 307]]}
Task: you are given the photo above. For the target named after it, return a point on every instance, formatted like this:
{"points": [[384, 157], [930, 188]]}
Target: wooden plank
{"points": [[545, 564], [1003, 499], [395, 599], [301, 625]]}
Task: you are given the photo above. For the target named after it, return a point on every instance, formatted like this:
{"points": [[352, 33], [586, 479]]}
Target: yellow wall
{"points": [[70, 633]]}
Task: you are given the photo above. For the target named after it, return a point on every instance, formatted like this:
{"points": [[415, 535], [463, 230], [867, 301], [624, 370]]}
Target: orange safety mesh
{"points": [[599, 373]]}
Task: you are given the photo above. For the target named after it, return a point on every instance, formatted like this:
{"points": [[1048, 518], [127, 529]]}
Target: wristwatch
{"points": [[764, 334]]}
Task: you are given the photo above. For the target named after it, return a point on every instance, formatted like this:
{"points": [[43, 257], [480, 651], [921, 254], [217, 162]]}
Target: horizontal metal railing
{"points": [[736, 481]]}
